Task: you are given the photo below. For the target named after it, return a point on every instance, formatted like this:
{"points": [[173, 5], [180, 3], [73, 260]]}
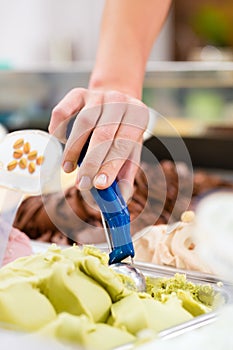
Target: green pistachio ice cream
{"points": [[74, 296]]}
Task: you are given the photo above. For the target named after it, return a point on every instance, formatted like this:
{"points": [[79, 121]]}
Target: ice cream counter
{"points": [[56, 295]]}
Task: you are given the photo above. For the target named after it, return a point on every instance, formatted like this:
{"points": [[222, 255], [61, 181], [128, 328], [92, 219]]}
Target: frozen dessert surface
{"points": [[17, 305], [143, 311], [160, 287], [73, 295], [19, 245], [176, 247], [66, 217], [196, 299]]}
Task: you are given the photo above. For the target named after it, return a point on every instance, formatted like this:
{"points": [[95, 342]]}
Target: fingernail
{"points": [[100, 180], [127, 194], [84, 183], [68, 167], [126, 190]]}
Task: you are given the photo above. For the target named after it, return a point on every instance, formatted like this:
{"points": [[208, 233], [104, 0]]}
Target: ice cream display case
{"points": [[191, 123], [196, 99]]}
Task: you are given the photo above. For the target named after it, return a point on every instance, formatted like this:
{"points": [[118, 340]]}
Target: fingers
{"points": [[116, 123], [101, 142], [128, 172], [128, 139], [84, 123], [70, 105]]}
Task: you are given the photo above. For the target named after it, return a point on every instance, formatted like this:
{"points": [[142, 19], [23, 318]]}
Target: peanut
{"points": [[18, 153], [191, 246], [32, 155], [18, 143], [40, 160], [26, 147], [12, 165], [188, 216], [31, 167], [23, 163]]}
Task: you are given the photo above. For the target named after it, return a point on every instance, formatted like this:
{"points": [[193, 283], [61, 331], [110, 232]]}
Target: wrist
{"points": [[105, 81]]}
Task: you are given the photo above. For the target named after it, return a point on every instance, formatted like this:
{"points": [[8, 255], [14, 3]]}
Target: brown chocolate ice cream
{"points": [[161, 194]]}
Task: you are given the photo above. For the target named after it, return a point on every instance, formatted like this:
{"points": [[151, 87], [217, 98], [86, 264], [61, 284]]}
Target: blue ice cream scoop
{"points": [[115, 214], [116, 222]]}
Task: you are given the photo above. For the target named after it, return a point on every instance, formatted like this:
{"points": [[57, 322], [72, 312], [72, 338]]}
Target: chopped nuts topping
{"points": [[22, 149], [12, 165], [40, 160], [188, 216], [18, 143], [23, 163], [18, 154], [32, 155], [26, 148], [191, 246], [31, 167]]}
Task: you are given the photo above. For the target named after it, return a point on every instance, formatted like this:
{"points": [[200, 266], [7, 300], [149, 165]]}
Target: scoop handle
{"points": [[115, 212]]}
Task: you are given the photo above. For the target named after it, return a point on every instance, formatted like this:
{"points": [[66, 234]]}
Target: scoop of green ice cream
{"points": [[24, 307], [80, 330], [136, 312], [160, 288], [71, 290], [73, 295]]}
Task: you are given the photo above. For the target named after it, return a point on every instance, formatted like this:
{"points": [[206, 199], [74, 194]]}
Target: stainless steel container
{"points": [[224, 288]]}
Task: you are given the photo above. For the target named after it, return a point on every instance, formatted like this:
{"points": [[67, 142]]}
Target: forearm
{"points": [[116, 119], [129, 29]]}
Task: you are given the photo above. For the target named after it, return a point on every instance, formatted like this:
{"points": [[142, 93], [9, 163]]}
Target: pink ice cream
{"points": [[18, 245]]}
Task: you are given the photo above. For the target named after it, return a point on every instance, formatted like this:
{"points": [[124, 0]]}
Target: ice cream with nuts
{"points": [[29, 161], [24, 157]]}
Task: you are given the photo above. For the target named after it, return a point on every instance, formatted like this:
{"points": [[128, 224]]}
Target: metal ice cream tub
{"points": [[222, 288]]}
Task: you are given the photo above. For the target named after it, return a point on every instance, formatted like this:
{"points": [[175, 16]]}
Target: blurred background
{"points": [[48, 47]]}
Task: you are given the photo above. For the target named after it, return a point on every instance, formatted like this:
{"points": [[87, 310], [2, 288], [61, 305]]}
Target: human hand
{"points": [[117, 123]]}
